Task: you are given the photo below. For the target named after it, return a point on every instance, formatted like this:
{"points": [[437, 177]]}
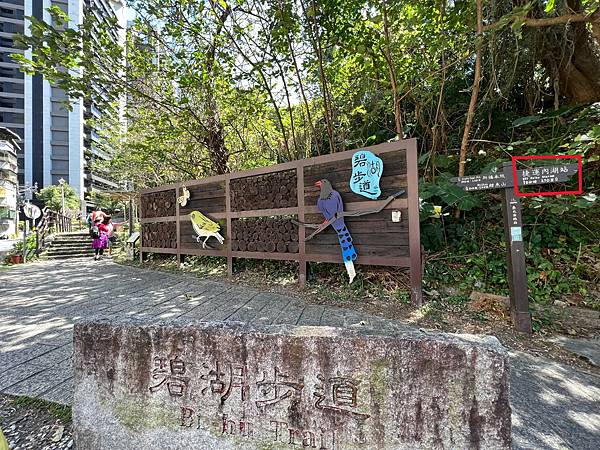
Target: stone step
{"points": [[72, 239], [71, 244], [72, 233], [87, 255], [69, 249], [70, 253]]}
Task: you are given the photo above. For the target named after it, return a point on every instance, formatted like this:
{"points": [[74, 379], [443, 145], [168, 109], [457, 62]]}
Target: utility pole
{"points": [[62, 194], [24, 195]]}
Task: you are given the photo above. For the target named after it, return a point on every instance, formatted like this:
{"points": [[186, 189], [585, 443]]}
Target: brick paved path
{"points": [[554, 406]]}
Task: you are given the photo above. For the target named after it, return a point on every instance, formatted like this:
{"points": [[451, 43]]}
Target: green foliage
{"points": [[559, 232], [31, 244], [52, 197], [107, 203], [61, 412]]}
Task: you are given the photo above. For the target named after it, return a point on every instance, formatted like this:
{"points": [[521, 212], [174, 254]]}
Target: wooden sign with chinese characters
{"points": [[223, 386], [525, 177], [513, 225], [366, 173]]}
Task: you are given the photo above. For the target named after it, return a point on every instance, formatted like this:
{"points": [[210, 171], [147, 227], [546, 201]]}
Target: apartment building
{"points": [[56, 142], [8, 181]]}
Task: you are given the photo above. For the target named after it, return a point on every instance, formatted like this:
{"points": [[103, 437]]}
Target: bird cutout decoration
{"points": [[185, 196], [205, 228], [330, 204], [366, 173]]}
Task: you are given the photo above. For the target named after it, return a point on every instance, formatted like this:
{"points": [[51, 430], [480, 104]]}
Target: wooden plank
{"points": [[158, 219], [381, 239], [393, 163], [264, 212], [208, 208], [401, 261], [302, 265], [291, 313], [228, 227], [388, 184], [170, 251], [178, 229], [413, 228], [391, 251], [263, 255], [399, 203], [515, 257], [202, 252], [216, 216], [311, 316]]}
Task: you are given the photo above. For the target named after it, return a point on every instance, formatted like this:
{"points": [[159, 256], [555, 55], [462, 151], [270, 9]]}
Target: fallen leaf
{"points": [[58, 434]]}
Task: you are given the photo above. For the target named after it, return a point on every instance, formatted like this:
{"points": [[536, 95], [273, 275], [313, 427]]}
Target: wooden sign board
{"points": [[256, 212], [513, 224], [527, 177], [133, 238]]}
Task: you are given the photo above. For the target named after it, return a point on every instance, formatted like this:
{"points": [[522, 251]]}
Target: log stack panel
{"points": [[159, 235], [264, 234], [269, 191], [158, 204]]}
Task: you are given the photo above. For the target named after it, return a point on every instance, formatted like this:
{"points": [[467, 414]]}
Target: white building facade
{"points": [[8, 182]]}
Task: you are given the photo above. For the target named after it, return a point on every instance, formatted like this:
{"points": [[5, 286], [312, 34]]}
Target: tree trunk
{"points": [[387, 53], [568, 55], [315, 39], [464, 146]]}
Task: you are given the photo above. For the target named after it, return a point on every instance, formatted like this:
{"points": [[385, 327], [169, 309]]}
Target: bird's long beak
{"points": [[318, 184]]}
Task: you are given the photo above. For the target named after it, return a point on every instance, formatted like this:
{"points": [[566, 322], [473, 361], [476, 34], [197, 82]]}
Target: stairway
{"points": [[76, 244]]}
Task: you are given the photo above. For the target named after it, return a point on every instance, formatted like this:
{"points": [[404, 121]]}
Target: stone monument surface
{"points": [[194, 385]]}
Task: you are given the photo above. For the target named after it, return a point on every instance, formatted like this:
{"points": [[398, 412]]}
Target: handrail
{"points": [[50, 222]]}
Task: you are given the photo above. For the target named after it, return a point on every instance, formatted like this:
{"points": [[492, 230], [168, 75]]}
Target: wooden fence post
{"points": [[301, 230], [414, 236], [228, 225]]}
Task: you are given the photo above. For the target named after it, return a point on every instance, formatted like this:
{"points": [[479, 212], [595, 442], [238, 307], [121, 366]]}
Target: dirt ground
{"points": [[30, 424]]}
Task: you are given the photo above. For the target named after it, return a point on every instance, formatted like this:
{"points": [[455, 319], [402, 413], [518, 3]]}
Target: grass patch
{"points": [[61, 412]]}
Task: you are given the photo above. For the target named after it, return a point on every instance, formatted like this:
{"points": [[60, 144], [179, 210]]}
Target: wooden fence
{"points": [[255, 209]]}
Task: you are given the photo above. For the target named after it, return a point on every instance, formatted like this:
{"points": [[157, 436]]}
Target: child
{"points": [[112, 238]]}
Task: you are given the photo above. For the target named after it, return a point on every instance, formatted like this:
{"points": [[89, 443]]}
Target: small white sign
{"points": [[31, 211], [396, 216]]}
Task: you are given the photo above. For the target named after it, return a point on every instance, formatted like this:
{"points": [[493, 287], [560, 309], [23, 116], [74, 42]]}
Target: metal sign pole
{"points": [[25, 227], [515, 257]]}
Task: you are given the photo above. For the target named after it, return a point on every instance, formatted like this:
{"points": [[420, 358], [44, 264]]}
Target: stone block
{"points": [[197, 385]]}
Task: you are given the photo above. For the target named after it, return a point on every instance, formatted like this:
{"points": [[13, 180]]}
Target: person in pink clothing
{"points": [[100, 235]]}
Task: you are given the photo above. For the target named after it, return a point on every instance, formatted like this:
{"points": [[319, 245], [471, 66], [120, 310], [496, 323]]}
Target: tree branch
{"points": [[546, 21]]}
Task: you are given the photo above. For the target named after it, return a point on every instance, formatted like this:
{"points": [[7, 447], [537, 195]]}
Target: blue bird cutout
{"points": [[330, 204]]}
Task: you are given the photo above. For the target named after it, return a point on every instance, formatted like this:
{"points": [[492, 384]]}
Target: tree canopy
{"points": [[218, 85], [52, 197]]}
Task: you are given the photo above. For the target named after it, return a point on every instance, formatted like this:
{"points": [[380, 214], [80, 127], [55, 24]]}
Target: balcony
{"points": [[7, 213], [95, 151], [10, 166], [8, 175]]}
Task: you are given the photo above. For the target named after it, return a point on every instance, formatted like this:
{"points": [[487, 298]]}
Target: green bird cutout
{"points": [[205, 228]]}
